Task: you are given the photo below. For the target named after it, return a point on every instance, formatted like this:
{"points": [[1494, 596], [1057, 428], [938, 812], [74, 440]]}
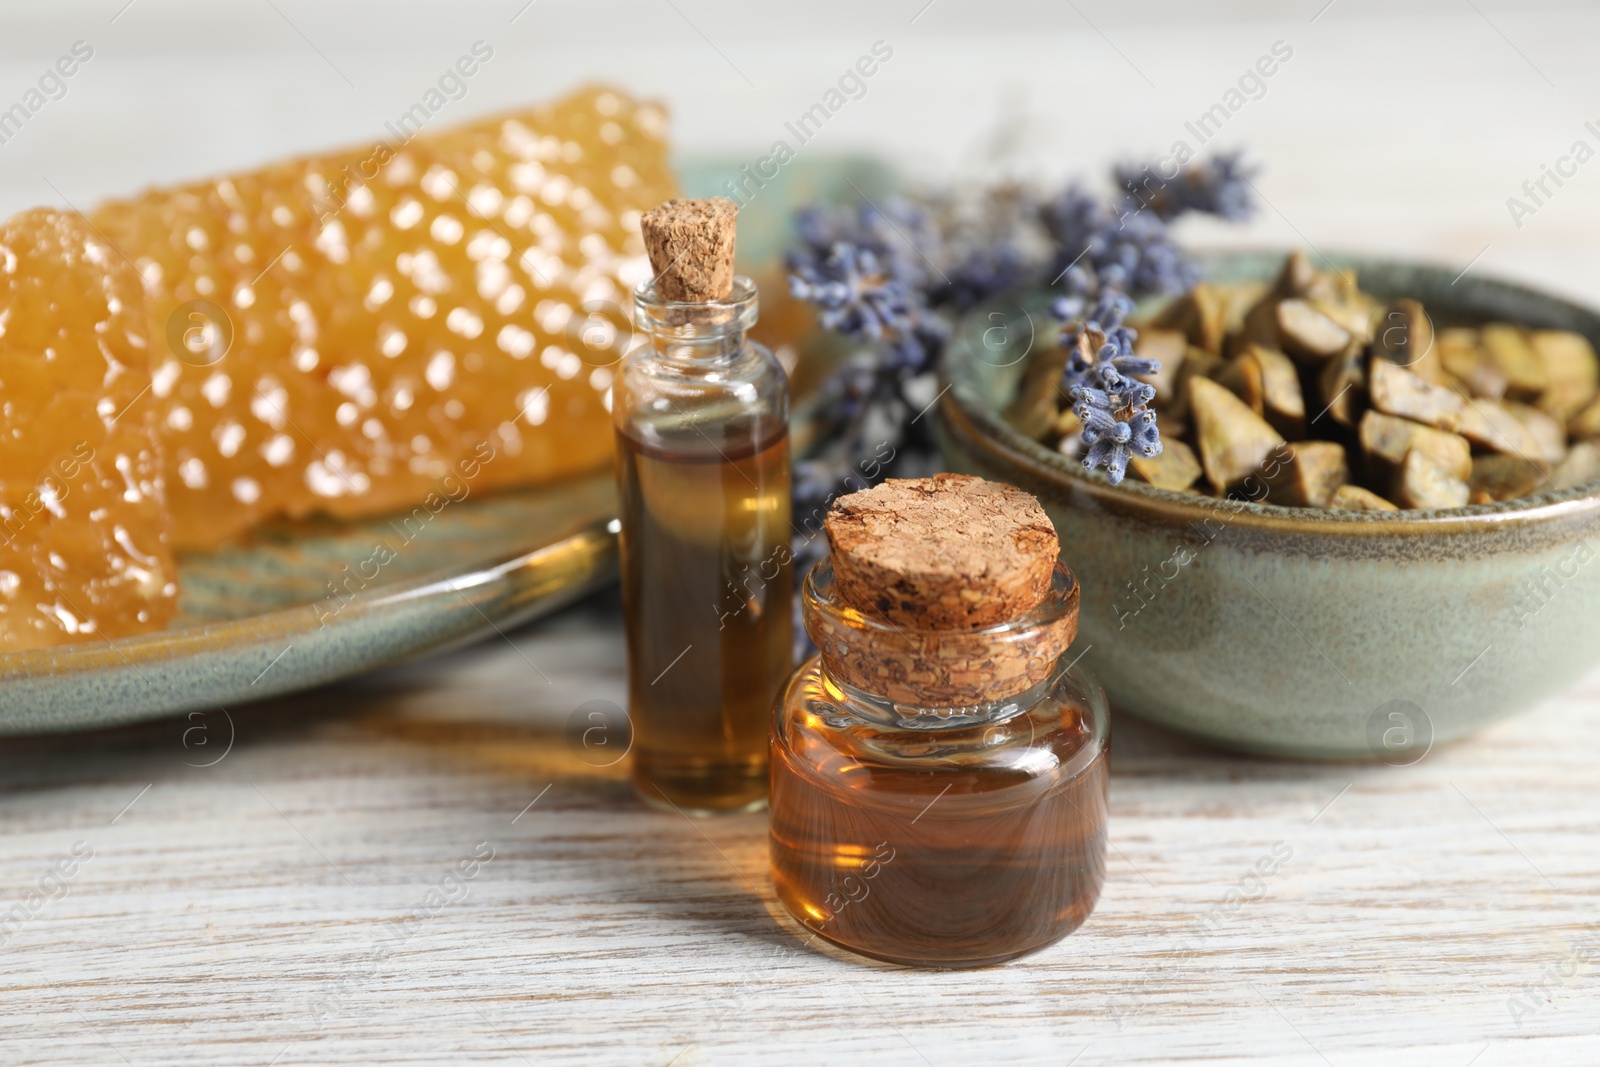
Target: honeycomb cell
{"points": [[350, 332], [83, 520]]}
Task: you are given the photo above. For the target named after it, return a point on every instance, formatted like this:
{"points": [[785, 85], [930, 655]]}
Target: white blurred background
{"points": [[1396, 126]]}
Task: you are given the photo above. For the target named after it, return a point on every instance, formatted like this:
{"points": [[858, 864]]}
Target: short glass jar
{"points": [[921, 833]]}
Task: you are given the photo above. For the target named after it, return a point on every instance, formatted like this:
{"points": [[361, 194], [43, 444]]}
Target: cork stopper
{"points": [[944, 592], [950, 552], [690, 243]]}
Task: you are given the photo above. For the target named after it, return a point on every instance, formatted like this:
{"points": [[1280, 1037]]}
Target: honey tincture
{"points": [[940, 767], [702, 422]]}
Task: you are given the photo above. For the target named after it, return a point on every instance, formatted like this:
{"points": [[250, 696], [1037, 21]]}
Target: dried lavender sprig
{"points": [[881, 276], [1112, 244], [1218, 186], [1123, 249], [899, 233], [1113, 405], [981, 273], [856, 269]]}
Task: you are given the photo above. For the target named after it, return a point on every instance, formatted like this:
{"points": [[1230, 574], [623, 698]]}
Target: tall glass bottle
{"points": [[702, 421]]}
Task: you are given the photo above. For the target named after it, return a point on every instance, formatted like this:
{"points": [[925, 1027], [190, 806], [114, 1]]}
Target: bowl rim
{"points": [[978, 424]]}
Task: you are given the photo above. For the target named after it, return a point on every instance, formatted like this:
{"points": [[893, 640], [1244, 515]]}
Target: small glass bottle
{"points": [[702, 417], [914, 827]]}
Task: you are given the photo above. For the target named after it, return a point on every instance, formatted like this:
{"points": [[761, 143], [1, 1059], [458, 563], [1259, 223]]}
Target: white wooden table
{"points": [[302, 900], [295, 903]]}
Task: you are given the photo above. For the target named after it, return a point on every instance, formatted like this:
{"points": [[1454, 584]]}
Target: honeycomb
{"points": [[83, 523], [358, 332]]}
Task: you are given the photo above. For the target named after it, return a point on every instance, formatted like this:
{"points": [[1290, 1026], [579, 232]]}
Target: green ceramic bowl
{"points": [[1292, 632]]}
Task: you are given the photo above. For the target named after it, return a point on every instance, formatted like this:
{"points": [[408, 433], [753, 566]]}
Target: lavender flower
{"points": [[1113, 244], [1219, 186], [866, 284], [854, 293], [886, 277], [1113, 405], [983, 272], [900, 235]]}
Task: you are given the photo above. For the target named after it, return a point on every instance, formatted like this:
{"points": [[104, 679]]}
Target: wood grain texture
{"points": [[277, 904]]}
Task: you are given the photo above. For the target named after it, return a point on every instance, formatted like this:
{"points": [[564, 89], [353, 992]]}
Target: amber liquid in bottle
{"points": [[948, 848], [707, 586]]}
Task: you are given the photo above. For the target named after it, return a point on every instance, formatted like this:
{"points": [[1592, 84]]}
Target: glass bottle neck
{"points": [[929, 679], [696, 335], [882, 711]]}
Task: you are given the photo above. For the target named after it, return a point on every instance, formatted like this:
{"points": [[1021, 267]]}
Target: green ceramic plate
{"points": [[309, 603]]}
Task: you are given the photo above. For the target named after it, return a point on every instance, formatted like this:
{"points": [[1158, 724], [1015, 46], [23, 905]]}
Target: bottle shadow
{"points": [[708, 874], [708, 877]]}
